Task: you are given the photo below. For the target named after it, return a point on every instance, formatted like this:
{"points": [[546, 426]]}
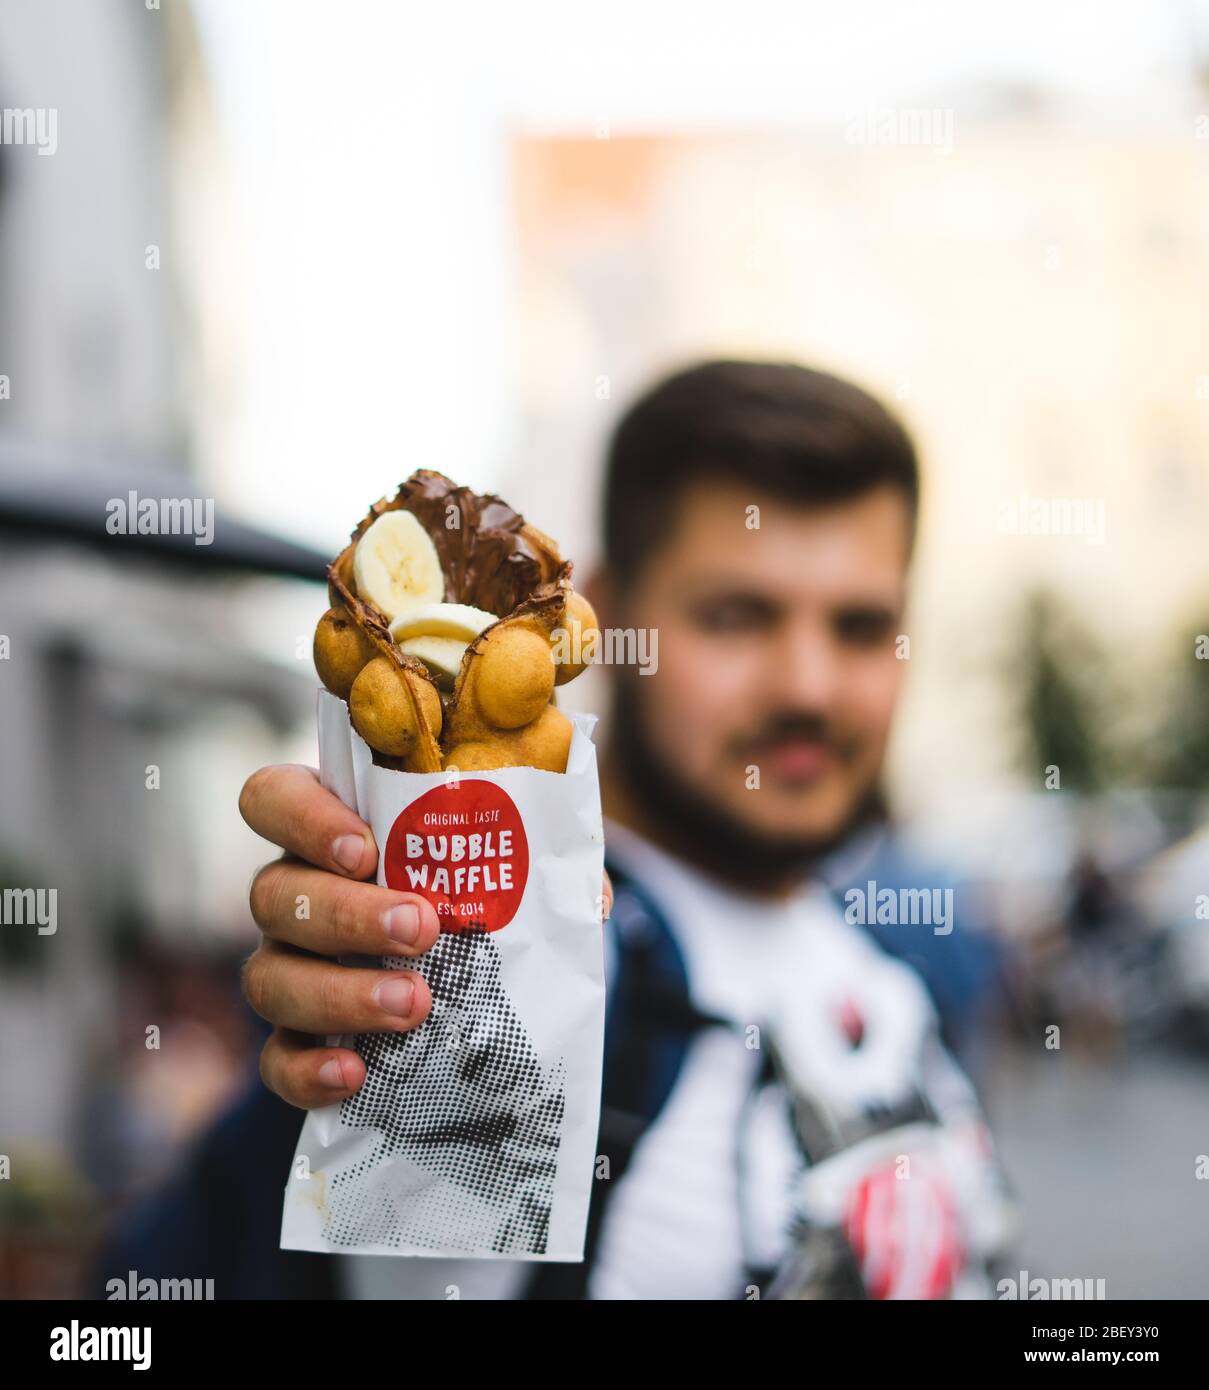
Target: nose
{"points": [[806, 667]]}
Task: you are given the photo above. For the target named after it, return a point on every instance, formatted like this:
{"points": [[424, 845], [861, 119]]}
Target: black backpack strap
{"points": [[650, 1024]]}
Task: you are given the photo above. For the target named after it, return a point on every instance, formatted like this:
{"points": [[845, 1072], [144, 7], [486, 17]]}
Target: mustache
{"points": [[804, 725]]}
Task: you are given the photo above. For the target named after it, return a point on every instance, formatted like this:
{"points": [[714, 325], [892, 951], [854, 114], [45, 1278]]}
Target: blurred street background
{"points": [[280, 255]]}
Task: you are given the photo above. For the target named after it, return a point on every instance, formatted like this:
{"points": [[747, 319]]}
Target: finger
{"points": [[606, 896], [306, 1075], [290, 808], [318, 996], [334, 916]]}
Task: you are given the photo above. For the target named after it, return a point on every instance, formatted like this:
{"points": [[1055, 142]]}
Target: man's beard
{"points": [[707, 835]]}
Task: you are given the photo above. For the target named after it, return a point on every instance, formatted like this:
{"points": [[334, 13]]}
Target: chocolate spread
{"points": [[491, 559]]}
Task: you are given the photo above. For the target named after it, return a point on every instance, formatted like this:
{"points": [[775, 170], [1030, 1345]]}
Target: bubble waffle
{"points": [[451, 622]]}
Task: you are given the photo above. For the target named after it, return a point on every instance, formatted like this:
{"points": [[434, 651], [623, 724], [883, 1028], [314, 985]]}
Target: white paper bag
{"points": [[475, 1133]]}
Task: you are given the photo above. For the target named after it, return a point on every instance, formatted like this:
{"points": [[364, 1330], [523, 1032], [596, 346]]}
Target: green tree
{"points": [[1061, 680], [1180, 743]]}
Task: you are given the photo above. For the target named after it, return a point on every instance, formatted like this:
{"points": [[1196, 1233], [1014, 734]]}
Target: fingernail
{"points": [[395, 997], [347, 851], [402, 923], [331, 1074]]}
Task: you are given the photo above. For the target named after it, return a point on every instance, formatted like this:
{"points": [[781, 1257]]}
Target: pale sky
{"points": [[365, 146]]}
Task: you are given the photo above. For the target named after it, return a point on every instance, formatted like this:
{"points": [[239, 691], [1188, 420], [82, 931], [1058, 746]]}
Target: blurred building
{"points": [[1028, 292], [136, 690]]}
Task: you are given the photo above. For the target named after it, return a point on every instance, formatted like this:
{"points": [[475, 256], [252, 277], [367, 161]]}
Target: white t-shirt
{"points": [[674, 1228], [709, 1187]]}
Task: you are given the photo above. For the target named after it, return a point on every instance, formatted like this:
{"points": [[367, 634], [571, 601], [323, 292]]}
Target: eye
{"points": [[733, 613], [865, 627]]}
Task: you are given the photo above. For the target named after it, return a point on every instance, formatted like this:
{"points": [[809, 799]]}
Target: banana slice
{"points": [[396, 566], [441, 620], [442, 656]]}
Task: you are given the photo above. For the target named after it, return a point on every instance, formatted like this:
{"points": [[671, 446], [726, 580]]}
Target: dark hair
{"points": [[800, 434]]}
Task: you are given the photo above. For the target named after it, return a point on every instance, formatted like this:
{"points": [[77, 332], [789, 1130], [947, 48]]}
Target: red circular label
{"points": [[462, 847]]}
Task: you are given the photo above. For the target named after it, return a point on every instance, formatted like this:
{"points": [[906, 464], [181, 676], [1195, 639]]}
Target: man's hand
{"points": [[313, 903]]}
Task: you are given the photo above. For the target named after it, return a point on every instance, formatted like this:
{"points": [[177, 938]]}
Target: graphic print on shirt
{"points": [[892, 1134]]}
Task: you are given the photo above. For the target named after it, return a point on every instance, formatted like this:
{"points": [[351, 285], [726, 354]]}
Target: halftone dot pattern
{"points": [[465, 1098]]}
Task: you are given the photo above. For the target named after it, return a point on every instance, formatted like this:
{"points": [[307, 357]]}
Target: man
{"points": [[778, 1114]]}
